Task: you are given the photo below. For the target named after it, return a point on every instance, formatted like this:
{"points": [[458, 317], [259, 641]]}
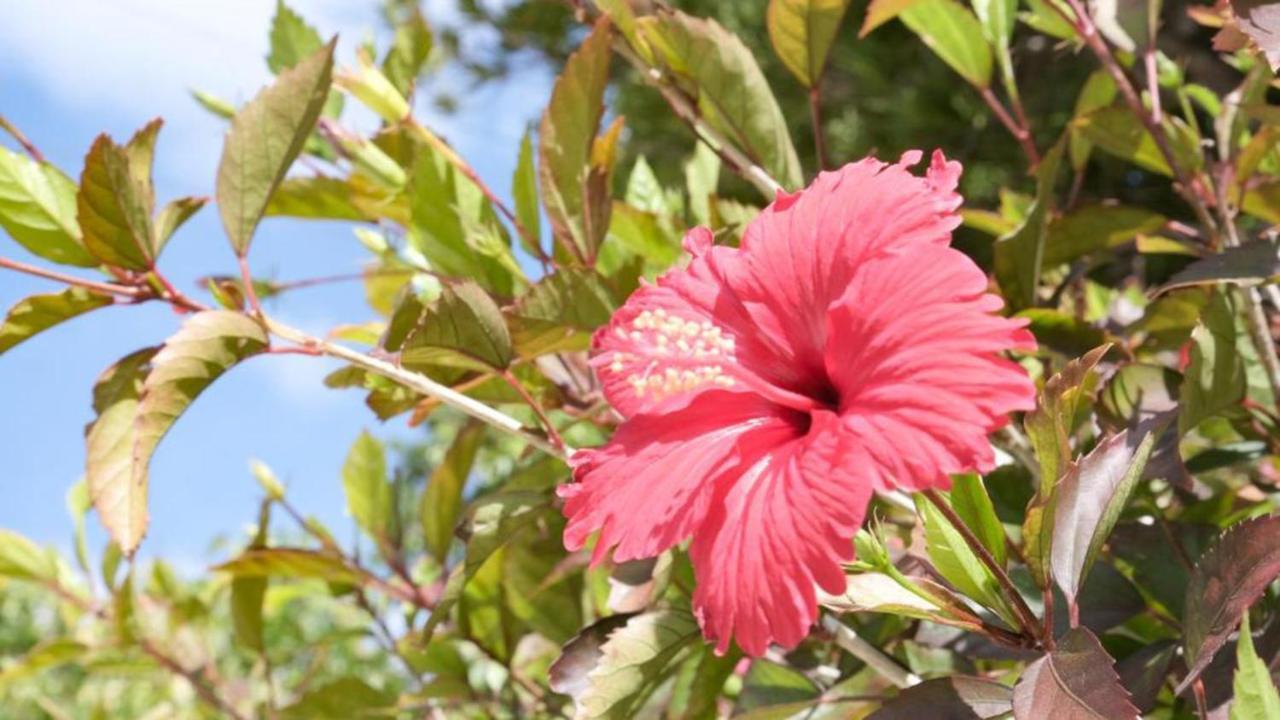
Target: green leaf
{"points": [[48, 654], [1062, 332], [1256, 697], [951, 31], [565, 140], [442, 498], [266, 135], [560, 312], [524, 189], [38, 209], [997, 18], [612, 677], [1117, 131], [773, 690], [1019, 255], [1087, 502], [949, 697], [140, 398], [410, 48], [880, 12], [173, 216], [38, 313], [463, 328], [22, 559], [643, 235], [732, 93], [1049, 427], [644, 190], [1249, 264], [346, 698], [958, 564], [329, 198], [292, 39], [1098, 92], [291, 563], [115, 201], [1076, 680], [971, 503], [1225, 582], [1215, 377], [880, 593], [364, 480], [701, 176], [802, 32], [1097, 227], [248, 593]]}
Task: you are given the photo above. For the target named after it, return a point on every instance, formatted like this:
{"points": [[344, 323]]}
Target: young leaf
{"points": [[1087, 503], [1050, 425], [956, 562], [622, 670], [464, 329], [173, 216], [1227, 579], [565, 140], [442, 498], [1215, 377], [1077, 680], [971, 503], [410, 48], [266, 136], [524, 189], [247, 593], [291, 563], [1248, 264], [38, 209], [140, 398], [38, 313], [364, 480], [877, 592], [880, 12], [1256, 697], [957, 697], [560, 312], [292, 39], [951, 31], [114, 205], [733, 95], [1117, 131], [802, 32]]}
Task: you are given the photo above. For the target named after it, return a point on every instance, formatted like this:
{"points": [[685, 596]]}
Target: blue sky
{"points": [[73, 68]]}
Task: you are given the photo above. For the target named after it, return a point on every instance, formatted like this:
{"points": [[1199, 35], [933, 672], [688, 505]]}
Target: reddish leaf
{"points": [[950, 698], [1074, 682]]}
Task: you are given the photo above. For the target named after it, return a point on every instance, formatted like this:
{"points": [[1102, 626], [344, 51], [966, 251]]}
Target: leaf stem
{"points": [[101, 287], [1026, 618], [26, 144], [246, 279], [849, 641], [815, 114], [1018, 129], [196, 680], [532, 402]]}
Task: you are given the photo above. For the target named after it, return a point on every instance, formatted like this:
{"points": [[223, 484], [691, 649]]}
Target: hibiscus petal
{"points": [[801, 251], [914, 349], [783, 527], [650, 486]]}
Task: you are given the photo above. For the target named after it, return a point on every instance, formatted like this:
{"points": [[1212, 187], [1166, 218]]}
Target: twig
{"points": [[102, 287], [1026, 618], [815, 114], [206, 693], [26, 144], [532, 402], [246, 279], [420, 383], [342, 277], [387, 638], [849, 641], [1019, 131]]}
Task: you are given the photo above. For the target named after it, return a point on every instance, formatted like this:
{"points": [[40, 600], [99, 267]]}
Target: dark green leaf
{"points": [[38, 313], [1097, 227], [1215, 377], [1019, 255], [524, 189], [560, 312], [1077, 680], [266, 136], [463, 328], [951, 698], [1250, 264], [38, 209], [802, 32]]}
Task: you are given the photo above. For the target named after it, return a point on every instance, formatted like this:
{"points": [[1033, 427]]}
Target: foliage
{"points": [[1122, 174]]}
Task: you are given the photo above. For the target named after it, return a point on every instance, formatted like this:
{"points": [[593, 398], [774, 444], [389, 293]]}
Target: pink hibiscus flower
{"points": [[767, 391]]}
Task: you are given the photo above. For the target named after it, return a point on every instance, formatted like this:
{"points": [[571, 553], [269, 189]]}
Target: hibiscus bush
{"points": [[710, 426]]}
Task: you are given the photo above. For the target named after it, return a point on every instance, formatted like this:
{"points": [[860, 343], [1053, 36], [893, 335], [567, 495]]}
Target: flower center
{"points": [[677, 355]]}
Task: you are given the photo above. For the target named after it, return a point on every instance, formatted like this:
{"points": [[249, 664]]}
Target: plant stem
{"points": [[206, 693], [1026, 618], [101, 287], [1018, 130], [246, 279], [815, 114], [26, 144], [849, 641], [532, 402], [420, 383]]}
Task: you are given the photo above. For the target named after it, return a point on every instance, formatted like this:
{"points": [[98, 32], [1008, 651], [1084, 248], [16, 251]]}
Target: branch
{"points": [[101, 287], [1018, 129], [197, 681], [26, 144]]}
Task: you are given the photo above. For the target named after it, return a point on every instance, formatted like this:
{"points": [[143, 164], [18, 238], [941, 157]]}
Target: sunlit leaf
{"points": [[949, 698], [971, 503], [524, 189], [1077, 680], [877, 592], [1096, 227], [364, 480], [1256, 697], [560, 312], [1215, 375], [292, 39], [951, 30], [880, 12], [464, 328], [958, 563], [22, 559], [410, 48], [115, 201], [292, 564], [442, 498], [248, 593], [37, 313], [802, 32], [266, 135], [38, 209], [173, 216]]}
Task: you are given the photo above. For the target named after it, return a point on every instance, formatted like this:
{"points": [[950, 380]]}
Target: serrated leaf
{"points": [[1098, 227], [952, 31], [114, 204], [731, 91], [1077, 680], [950, 698], [292, 39], [1087, 503], [1256, 697], [291, 563], [38, 209], [1050, 425], [410, 48], [1248, 264], [368, 492], [802, 32], [173, 216], [1226, 581], [140, 399], [565, 138], [442, 498], [266, 136], [37, 313], [524, 190], [1215, 377], [560, 312], [958, 564], [464, 328], [622, 669]]}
